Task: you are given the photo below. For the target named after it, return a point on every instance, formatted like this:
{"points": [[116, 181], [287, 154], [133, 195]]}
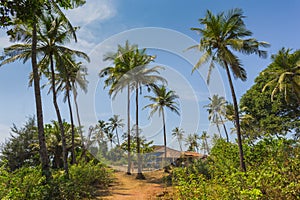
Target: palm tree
{"points": [[25, 52], [192, 142], [139, 76], [178, 133], [122, 64], [216, 109], [204, 138], [285, 75], [28, 15], [53, 32], [163, 99], [99, 132], [48, 34], [67, 78], [116, 123], [110, 137], [82, 82], [70, 78], [222, 34], [131, 72]]}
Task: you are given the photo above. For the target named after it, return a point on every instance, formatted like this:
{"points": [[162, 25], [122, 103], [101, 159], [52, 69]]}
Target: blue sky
{"points": [[164, 28]]}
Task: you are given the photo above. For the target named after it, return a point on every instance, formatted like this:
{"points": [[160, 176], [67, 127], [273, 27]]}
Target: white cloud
{"points": [[99, 10], [90, 18]]}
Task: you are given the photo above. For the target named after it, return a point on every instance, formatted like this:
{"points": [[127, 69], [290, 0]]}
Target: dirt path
{"points": [[128, 187]]}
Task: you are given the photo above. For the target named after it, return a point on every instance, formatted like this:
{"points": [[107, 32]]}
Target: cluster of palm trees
{"points": [[131, 71], [108, 130], [216, 113], [192, 140], [44, 43]]}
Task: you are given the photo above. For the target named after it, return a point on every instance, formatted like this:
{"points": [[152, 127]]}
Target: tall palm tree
{"points": [[140, 76], [25, 52], [28, 14], [81, 82], [163, 99], [131, 72], [192, 142], [71, 76], [53, 33], [222, 34], [67, 78], [116, 123], [216, 109], [178, 133], [122, 64], [285, 75]]}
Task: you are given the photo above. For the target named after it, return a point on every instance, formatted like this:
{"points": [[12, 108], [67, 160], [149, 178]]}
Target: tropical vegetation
{"points": [[56, 160]]}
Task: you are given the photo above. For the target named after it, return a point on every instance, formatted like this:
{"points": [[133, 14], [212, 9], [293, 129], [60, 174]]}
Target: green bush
{"points": [[85, 180], [189, 186], [24, 183], [273, 173], [27, 183]]}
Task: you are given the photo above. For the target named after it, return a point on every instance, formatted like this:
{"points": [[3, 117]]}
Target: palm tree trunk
{"points": [[139, 174], [39, 109], [83, 149], [237, 120], [62, 131], [207, 147], [219, 129], [128, 131], [165, 136], [226, 133], [72, 127], [118, 140], [180, 145]]}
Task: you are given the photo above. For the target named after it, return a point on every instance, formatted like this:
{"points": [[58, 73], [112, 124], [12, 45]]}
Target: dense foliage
{"points": [[50, 161], [20, 172], [273, 172], [28, 183], [270, 129], [269, 115]]}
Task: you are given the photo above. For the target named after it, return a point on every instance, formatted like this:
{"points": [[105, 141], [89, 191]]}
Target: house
{"points": [[156, 158], [188, 157]]}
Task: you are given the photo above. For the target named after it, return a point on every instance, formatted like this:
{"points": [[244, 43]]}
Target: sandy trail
{"points": [[128, 187]]}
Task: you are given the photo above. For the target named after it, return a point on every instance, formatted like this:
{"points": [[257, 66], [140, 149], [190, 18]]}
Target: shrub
{"points": [[273, 173], [24, 183], [27, 183], [85, 180]]}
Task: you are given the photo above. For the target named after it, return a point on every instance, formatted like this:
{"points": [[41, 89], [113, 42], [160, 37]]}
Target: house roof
{"points": [[192, 154], [159, 150]]}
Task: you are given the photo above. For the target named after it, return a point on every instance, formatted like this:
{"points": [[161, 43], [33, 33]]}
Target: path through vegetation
{"points": [[128, 187]]}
